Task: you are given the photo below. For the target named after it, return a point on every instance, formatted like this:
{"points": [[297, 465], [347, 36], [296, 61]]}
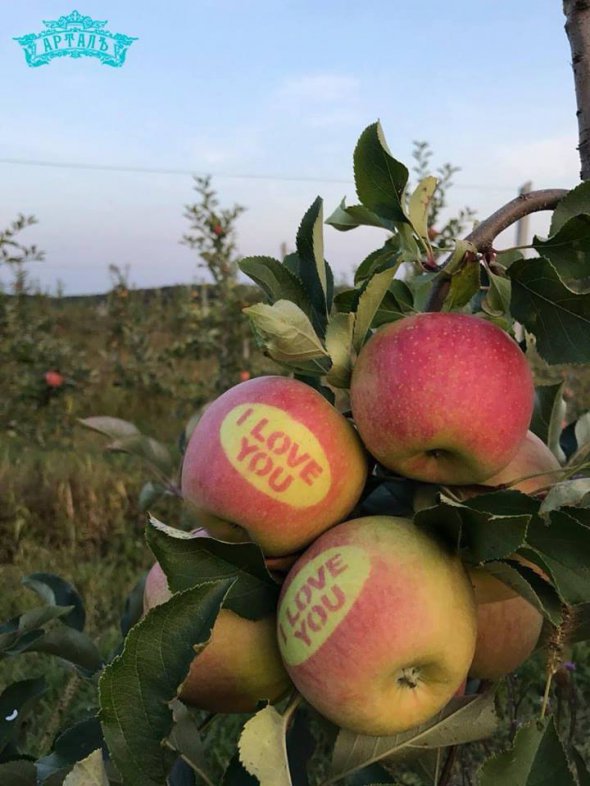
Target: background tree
{"points": [[213, 236]]}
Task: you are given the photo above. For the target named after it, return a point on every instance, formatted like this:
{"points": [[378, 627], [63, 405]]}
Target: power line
{"points": [[164, 171], [221, 175]]}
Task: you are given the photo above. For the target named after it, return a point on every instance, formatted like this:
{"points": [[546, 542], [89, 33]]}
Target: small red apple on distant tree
{"points": [[442, 397], [271, 460], [53, 379]]}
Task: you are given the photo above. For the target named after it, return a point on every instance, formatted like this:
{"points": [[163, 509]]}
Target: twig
{"points": [[486, 232], [448, 767]]}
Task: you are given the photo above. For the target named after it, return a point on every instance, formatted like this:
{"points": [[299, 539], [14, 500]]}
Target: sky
{"points": [[269, 97]]}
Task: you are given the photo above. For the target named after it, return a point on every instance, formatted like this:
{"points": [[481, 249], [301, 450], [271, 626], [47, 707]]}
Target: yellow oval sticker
{"points": [[318, 599], [276, 454]]}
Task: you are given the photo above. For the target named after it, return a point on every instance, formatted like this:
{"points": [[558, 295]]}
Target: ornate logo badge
{"points": [[75, 36]]}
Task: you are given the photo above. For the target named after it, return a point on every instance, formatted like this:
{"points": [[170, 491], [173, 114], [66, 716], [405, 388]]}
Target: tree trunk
{"points": [[577, 28]]}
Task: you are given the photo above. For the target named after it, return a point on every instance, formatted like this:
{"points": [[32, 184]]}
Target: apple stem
{"points": [[486, 232]]}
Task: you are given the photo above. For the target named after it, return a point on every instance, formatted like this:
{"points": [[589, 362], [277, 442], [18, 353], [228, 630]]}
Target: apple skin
{"points": [[272, 456], [377, 625], [239, 667], [507, 633], [442, 397], [533, 459]]}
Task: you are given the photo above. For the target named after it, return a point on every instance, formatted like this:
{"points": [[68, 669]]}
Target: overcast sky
{"points": [[270, 97]]}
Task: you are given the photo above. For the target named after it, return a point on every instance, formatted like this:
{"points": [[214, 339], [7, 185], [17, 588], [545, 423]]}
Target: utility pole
{"points": [[522, 225]]}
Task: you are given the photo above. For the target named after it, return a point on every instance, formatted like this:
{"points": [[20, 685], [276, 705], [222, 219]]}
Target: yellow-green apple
{"points": [[442, 397], [507, 633], [272, 461], [240, 665], [377, 625]]}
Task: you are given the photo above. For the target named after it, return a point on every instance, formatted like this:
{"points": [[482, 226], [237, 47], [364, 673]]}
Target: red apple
{"points": [[239, 667], [507, 633], [54, 379], [442, 397], [274, 460], [377, 625]]}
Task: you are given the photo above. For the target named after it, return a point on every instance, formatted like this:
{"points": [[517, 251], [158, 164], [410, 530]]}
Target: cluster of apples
{"points": [[378, 623]]}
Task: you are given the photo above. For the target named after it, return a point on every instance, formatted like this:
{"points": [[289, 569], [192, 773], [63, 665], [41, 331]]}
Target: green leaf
{"points": [[380, 179], [17, 701], [289, 336], [580, 767], [18, 773], [55, 591], [369, 302], [574, 203], [188, 560], [72, 745], [567, 493], [419, 205], [19, 632], [464, 719], [263, 749], [548, 415], [508, 257], [276, 281], [115, 428], [340, 347], [345, 218], [558, 317], [481, 525], [409, 249], [147, 449], [150, 493], [386, 256], [71, 645], [185, 738], [397, 304], [530, 586], [568, 250], [563, 547], [496, 302], [133, 609], [537, 758], [465, 283], [310, 249], [88, 772], [135, 687]]}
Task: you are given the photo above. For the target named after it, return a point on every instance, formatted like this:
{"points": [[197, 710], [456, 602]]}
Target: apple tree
{"points": [[534, 542]]}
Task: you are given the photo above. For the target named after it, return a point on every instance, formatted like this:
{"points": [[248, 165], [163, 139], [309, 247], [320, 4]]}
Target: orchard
{"points": [[377, 539]]}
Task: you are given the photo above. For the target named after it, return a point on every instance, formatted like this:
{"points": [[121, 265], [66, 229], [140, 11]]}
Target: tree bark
{"points": [[577, 28]]}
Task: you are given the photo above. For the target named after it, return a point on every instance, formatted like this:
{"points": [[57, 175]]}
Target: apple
{"points": [[507, 633], [272, 461], [442, 397], [239, 667], [534, 467], [376, 625]]}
